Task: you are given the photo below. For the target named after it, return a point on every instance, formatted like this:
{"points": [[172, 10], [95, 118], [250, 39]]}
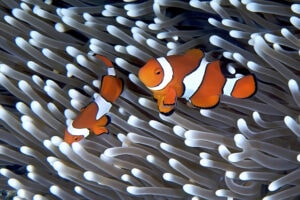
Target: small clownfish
{"points": [[192, 77], [93, 117]]}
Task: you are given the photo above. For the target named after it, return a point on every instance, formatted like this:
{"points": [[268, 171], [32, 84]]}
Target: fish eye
{"points": [[76, 138], [157, 72]]}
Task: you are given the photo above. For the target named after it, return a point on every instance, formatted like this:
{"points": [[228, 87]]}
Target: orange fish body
{"points": [[93, 117], [192, 77]]}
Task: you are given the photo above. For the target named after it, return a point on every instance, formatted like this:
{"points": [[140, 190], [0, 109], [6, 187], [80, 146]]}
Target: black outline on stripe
{"points": [[232, 87], [205, 74], [162, 71], [168, 113], [255, 85], [184, 88], [201, 85]]}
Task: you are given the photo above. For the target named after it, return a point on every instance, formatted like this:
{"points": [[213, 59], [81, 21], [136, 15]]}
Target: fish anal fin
{"points": [[111, 88], [206, 101]]}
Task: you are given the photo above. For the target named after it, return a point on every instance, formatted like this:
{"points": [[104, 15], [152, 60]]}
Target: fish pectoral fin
{"points": [[206, 101], [100, 130], [170, 97], [99, 126], [111, 87]]}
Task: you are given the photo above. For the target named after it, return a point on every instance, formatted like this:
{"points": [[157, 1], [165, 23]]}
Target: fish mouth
{"points": [[69, 138]]}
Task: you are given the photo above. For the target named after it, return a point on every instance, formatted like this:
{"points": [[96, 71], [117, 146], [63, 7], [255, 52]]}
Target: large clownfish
{"points": [[93, 117], [192, 77]]}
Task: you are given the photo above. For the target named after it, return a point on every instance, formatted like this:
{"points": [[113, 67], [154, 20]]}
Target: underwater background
{"points": [[241, 149]]}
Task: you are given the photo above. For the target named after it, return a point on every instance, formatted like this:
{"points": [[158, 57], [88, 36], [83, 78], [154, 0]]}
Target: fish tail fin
{"points": [[99, 127], [111, 88], [243, 87]]}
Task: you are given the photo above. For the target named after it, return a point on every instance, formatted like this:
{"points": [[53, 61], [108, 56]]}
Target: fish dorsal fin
{"points": [[194, 53]]}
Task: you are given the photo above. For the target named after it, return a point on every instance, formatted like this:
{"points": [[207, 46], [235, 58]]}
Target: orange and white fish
{"points": [[192, 77], [93, 117]]}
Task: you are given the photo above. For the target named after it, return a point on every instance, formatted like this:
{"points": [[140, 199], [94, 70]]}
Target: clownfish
{"points": [[93, 117], [192, 77]]}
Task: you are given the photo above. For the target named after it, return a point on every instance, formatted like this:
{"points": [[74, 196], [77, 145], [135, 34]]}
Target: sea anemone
{"points": [[242, 149]]}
